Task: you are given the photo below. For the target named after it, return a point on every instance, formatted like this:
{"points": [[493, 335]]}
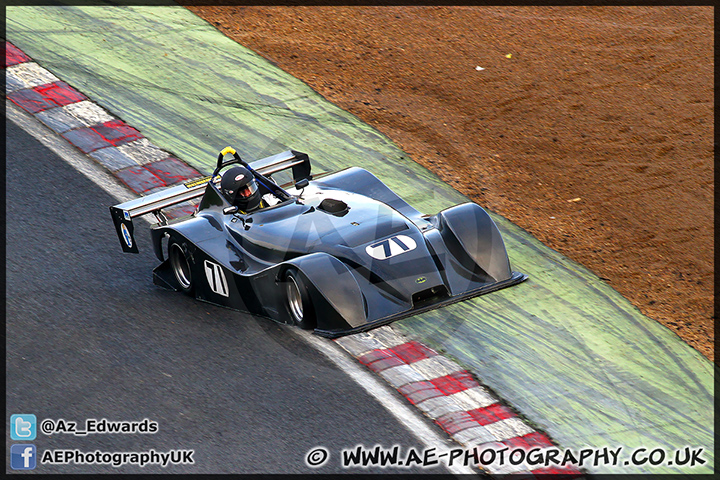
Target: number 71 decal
{"points": [[391, 247], [216, 278]]}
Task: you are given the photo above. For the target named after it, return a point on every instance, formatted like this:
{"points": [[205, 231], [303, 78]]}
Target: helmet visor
{"points": [[248, 190]]}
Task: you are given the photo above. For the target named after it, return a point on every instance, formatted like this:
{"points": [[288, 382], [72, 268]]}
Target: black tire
{"points": [[180, 266], [297, 300]]}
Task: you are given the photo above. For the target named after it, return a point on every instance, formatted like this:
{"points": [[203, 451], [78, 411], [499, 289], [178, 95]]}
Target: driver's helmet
{"points": [[240, 188]]}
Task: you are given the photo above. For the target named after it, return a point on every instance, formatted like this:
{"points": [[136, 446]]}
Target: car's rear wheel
{"points": [[180, 265], [298, 301]]}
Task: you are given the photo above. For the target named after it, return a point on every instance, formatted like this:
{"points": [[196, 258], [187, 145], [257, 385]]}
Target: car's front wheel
{"points": [[180, 265], [298, 301]]}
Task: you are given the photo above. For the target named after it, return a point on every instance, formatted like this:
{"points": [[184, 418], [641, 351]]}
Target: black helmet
{"points": [[240, 188]]}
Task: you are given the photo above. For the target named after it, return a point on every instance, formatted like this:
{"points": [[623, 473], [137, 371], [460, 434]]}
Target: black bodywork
{"points": [[360, 255]]}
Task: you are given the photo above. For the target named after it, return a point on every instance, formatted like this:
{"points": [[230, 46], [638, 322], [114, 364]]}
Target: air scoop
{"points": [[334, 207]]}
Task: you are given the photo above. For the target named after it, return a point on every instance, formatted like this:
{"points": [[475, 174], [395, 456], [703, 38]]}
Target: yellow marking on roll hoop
{"points": [[227, 150]]}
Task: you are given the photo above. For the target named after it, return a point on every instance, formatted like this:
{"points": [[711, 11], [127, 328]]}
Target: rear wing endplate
{"points": [[124, 213]]}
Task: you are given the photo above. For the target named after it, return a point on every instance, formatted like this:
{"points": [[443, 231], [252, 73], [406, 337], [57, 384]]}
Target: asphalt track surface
{"points": [[564, 348], [90, 336]]}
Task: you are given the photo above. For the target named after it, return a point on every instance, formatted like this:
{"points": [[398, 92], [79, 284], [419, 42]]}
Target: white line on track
{"points": [[65, 150], [411, 419]]}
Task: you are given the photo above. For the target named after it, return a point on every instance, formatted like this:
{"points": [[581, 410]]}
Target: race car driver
{"points": [[241, 189]]}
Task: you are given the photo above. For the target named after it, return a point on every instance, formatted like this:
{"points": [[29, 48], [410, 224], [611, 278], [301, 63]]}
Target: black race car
{"points": [[339, 253]]}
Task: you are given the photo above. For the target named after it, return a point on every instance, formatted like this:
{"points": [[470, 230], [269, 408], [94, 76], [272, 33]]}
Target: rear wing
{"points": [[124, 213], [298, 161]]}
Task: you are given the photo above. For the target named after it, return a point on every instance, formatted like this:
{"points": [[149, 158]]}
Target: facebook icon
{"points": [[22, 457]]}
